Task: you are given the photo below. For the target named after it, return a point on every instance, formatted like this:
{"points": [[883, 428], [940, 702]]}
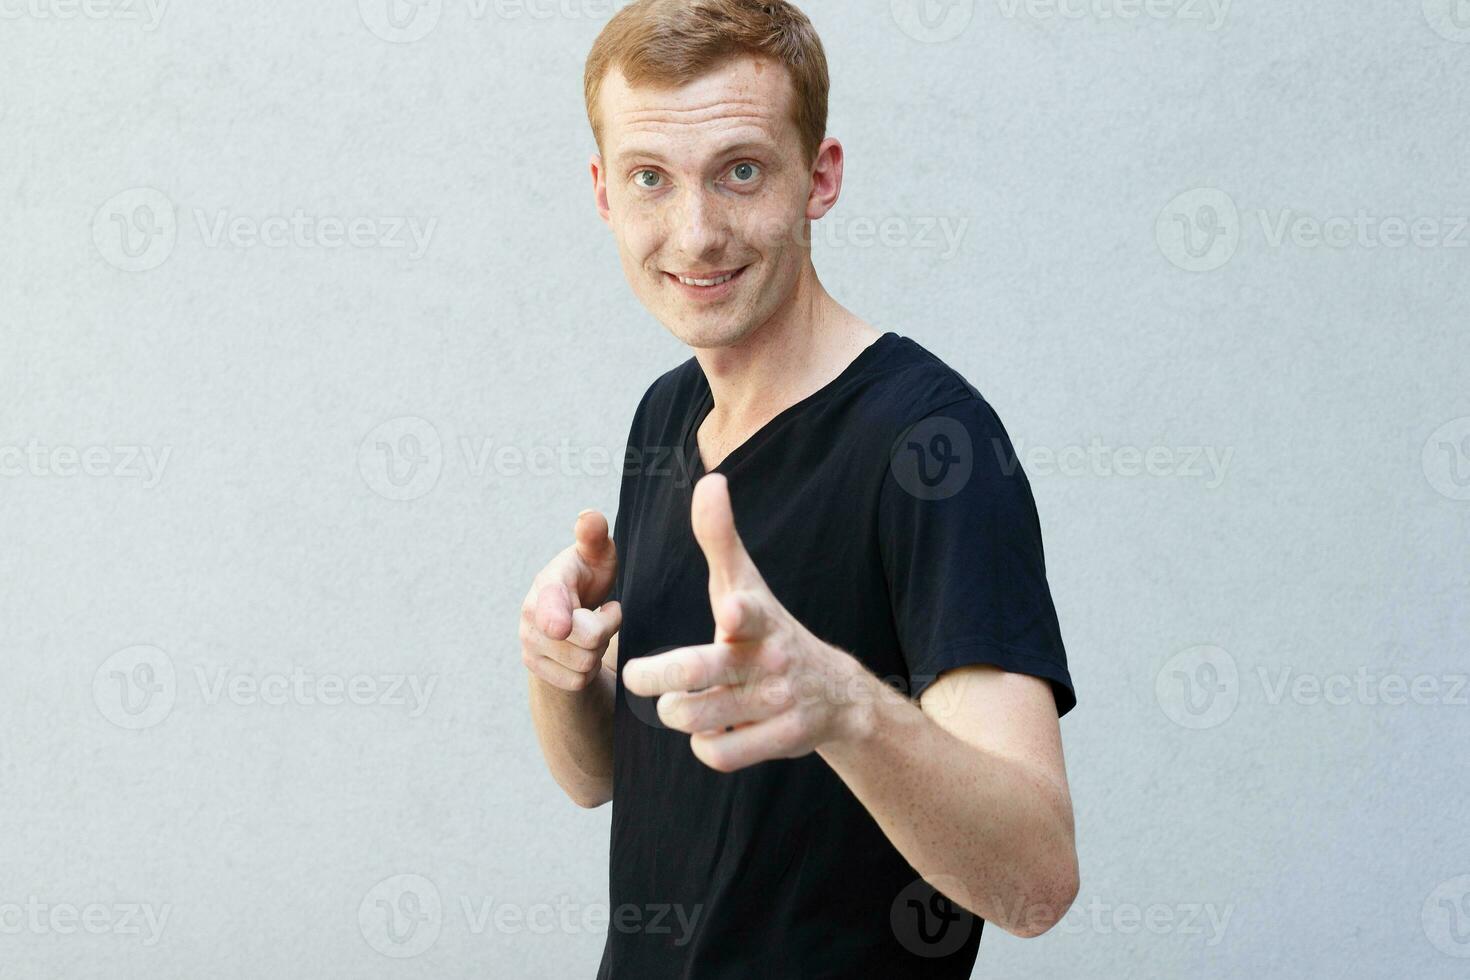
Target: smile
{"points": [[709, 284]]}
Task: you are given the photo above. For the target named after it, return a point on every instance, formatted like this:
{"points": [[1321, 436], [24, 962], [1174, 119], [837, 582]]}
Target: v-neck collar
{"points": [[704, 403]]}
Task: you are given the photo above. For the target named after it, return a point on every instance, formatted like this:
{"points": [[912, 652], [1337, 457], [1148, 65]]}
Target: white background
{"points": [[274, 547]]}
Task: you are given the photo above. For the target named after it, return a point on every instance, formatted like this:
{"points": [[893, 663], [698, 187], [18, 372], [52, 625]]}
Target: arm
{"points": [[971, 786], [569, 649], [575, 731]]}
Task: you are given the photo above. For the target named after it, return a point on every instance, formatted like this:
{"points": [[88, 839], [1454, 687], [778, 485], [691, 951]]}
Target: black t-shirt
{"points": [[888, 513]]}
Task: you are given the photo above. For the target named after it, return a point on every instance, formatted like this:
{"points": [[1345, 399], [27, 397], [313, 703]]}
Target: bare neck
{"points": [[792, 355]]}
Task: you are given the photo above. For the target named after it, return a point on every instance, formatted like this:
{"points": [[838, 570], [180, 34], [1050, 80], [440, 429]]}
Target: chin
{"points": [[712, 335], [692, 333]]}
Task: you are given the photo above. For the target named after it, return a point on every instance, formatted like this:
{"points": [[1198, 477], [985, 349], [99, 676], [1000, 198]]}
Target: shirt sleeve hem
{"points": [[971, 652]]}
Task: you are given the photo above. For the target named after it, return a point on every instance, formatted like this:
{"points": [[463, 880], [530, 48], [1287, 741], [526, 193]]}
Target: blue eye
{"points": [[639, 175], [752, 168]]}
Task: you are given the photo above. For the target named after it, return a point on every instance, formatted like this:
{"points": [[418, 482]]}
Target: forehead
{"points": [[746, 99]]}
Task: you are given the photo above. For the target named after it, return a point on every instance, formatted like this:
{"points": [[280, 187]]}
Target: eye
{"points": [[745, 172], [638, 178]]}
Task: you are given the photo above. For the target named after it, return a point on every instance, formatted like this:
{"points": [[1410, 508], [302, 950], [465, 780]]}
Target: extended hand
{"points": [[766, 688], [565, 626]]}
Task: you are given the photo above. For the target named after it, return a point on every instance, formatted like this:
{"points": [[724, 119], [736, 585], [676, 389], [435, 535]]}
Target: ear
{"points": [[826, 179], [599, 187]]}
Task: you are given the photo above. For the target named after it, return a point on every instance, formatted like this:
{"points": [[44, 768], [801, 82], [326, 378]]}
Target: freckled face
{"points": [[707, 181]]}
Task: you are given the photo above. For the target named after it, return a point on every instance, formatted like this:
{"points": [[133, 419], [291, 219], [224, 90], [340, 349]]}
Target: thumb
{"points": [[597, 561], [730, 565], [593, 544]]}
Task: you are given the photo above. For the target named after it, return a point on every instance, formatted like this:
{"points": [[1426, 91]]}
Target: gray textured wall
{"points": [[273, 486]]}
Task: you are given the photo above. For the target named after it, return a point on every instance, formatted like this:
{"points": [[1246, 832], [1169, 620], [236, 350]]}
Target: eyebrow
{"points": [[648, 153]]}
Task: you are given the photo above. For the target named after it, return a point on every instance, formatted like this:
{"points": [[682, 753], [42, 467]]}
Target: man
{"points": [[816, 667]]}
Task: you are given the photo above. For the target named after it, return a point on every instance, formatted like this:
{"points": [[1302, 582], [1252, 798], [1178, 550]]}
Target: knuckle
{"points": [[776, 658], [792, 727]]}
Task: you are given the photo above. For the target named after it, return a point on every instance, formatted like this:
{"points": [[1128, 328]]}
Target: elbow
{"points": [[587, 801], [588, 797], [1056, 893]]}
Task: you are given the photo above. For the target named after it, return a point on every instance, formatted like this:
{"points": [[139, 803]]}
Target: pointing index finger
{"points": [[687, 669]]}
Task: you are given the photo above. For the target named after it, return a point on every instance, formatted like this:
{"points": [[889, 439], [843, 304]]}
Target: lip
{"points": [[708, 293]]}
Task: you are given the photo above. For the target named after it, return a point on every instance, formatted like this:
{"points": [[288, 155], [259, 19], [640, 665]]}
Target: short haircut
{"points": [[672, 42]]}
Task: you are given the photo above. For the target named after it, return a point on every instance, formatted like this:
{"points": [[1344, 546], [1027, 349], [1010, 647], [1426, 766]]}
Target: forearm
{"points": [[575, 732], [954, 809]]}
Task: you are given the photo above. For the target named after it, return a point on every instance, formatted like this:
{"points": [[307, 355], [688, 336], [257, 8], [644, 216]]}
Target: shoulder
{"points": [[909, 383], [667, 399]]}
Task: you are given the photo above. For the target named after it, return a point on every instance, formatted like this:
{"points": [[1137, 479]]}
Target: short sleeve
{"points": [[961, 546]]}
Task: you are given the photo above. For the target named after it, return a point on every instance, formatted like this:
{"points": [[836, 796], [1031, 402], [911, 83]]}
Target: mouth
{"points": [[706, 285]]}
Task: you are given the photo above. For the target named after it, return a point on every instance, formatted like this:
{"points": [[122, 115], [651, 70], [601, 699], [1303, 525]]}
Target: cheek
{"points": [[773, 225], [641, 231]]}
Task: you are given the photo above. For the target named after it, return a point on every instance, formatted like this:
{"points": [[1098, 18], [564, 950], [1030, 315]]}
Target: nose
{"points": [[700, 225]]}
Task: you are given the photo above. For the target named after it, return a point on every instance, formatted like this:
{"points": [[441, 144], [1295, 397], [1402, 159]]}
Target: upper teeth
{"points": [[706, 282]]}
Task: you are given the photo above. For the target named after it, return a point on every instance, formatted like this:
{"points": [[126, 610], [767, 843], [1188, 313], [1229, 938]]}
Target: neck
{"points": [[806, 343]]}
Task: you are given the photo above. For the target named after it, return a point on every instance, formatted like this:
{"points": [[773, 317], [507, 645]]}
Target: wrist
{"points": [[557, 694], [855, 703]]}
